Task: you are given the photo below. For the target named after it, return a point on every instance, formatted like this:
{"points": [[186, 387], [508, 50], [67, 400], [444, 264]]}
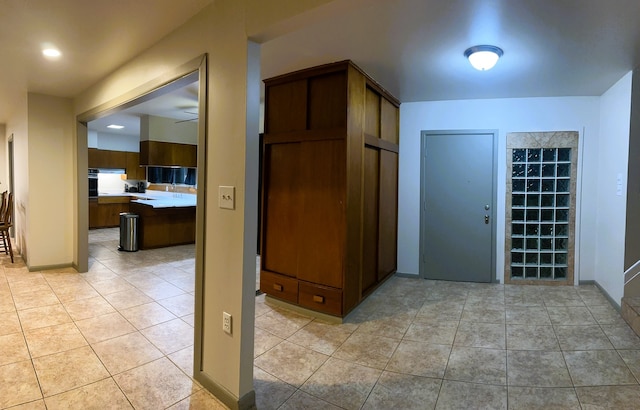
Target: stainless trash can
{"points": [[128, 232]]}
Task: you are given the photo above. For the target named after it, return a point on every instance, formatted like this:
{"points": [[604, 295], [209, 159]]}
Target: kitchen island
{"points": [[164, 219]]}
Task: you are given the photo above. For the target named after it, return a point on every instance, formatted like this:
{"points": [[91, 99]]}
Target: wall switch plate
{"points": [[226, 322], [227, 197]]}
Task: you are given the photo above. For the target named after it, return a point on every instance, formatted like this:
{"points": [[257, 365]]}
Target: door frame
{"points": [[494, 192]]}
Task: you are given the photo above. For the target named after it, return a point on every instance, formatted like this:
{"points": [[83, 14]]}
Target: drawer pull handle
{"points": [[277, 287], [318, 299]]}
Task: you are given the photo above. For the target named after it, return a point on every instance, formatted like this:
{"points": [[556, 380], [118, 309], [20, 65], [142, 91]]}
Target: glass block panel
{"points": [[562, 200], [540, 204], [564, 154], [546, 230], [517, 229], [531, 258], [517, 272], [562, 230], [517, 258], [547, 200], [533, 200], [519, 155], [564, 170], [519, 170], [533, 155], [549, 155], [548, 185], [517, 185], [517, 200], [517, 243], [533, 170], [562, 215], [546, 272], [562, 185], [548, 170], [561, 244], [559, 273], [546, 215]]}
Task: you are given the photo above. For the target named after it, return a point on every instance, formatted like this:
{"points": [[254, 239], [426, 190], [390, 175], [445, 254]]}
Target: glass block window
{"points": [[540, 206]]}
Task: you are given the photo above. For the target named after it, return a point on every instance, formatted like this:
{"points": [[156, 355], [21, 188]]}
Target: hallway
{"points": [[122, 334]]}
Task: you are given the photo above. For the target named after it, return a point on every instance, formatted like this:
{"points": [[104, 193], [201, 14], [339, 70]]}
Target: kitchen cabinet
{"points": [[104, 212], [160, 227], [329, 187], [134, 169], [158, 153], [100, 158]]}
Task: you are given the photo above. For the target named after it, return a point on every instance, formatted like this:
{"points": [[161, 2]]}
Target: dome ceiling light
{"points": [[483, 57]]}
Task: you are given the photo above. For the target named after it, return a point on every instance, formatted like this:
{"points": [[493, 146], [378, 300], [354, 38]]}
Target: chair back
{"points": [[3, 205], [8, 216]]}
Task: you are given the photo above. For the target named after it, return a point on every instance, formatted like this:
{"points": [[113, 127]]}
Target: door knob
{"points": [[486, 219]]}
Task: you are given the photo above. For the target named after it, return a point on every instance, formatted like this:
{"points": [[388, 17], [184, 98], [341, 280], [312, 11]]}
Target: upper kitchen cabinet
{"points": [[102, 158], [167, 142], [330, 183]]}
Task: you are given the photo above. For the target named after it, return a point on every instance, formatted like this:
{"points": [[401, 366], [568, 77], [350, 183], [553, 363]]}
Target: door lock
{"points": [[486, 219]]}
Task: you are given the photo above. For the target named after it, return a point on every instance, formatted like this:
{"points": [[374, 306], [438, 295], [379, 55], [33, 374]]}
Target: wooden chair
{"points": [[6, 222]]}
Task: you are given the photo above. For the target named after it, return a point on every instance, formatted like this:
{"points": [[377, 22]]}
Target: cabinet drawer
{"points": [[320, 298], [279, 286]]}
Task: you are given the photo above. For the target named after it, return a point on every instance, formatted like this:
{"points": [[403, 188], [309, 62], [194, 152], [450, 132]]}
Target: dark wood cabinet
{"points": [[134, 169], [104, 211], [329, 187], [102, 158], [158, 153]]}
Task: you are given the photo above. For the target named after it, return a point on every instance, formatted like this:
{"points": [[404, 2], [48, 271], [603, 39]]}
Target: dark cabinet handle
{"points": [[277, 287], [318, 299]]}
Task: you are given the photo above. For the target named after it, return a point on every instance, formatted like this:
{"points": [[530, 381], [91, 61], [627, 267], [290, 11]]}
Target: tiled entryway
{"points": [[121, 336]]}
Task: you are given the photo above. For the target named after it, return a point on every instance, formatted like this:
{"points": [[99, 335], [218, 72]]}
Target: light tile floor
{"points": [[120, 336]]}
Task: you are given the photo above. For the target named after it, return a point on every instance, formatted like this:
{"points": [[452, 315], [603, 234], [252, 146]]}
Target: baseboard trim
{"points": [[604, 292], [50, 267], [246, 402]]}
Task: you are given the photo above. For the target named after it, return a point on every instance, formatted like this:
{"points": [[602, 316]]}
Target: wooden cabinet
{"points": [[168, 154], [104, 212], [330, 185], [134, 169], [102, 158]]}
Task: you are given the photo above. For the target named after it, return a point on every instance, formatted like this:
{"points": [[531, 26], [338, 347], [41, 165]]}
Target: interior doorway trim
{"points": [[493, 211]]}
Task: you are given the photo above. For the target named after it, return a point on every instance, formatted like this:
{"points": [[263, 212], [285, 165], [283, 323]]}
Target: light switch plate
{"points": [[227, 197]]}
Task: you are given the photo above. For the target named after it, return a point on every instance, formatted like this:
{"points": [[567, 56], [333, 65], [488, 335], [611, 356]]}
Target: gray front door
{"points": [[457, 217]]}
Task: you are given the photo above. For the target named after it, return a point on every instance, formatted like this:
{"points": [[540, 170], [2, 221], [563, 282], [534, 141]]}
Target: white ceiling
{"points": [[413, 48]]}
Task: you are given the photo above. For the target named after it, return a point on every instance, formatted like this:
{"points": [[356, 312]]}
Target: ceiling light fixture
{"points": [[115, 126], [51, 52], [484, 57]]}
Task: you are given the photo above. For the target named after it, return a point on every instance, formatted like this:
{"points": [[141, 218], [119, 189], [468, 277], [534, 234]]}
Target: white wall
{"points": [[168, 130], [17, 127], [613, 151], [51, 182], [506, 115], [4, 169], [117, 142]]}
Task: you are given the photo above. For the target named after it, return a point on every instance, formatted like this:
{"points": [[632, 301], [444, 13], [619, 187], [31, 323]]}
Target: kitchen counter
{"points": [[155, 199]]}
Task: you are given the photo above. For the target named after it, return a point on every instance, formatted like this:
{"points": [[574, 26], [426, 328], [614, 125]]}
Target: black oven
{"points": [[93, 183]]}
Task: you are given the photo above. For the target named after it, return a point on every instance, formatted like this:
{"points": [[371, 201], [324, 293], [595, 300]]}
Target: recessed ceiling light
{"points": [[115, 126], [484, 57], [51, 52]]}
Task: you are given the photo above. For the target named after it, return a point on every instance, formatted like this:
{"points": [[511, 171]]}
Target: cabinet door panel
{"points": [[281, 208], [370, 218], [389, 121], [388, 228], [322, 225]]}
